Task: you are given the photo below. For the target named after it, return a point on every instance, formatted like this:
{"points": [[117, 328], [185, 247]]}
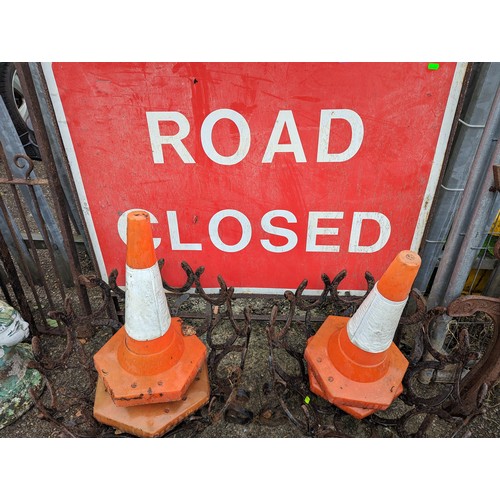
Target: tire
{"points": [[10, 90]]}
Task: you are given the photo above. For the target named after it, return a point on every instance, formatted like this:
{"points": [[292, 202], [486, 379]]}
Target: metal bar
{"points": [[254, 317], [15, 243], [476, 232], [463, 215], [12, 227], [465, 146], [471, 70], [60, 158], [40, 243], [20, 210], [11, 270], [496, 178], [479, 226], [12, 146], [54, 185], [470, 125], [27, 182], [46, 238], [3, 286], [12, 234], [451, 189]]}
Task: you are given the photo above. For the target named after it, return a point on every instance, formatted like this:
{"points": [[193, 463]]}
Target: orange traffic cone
{"points": [[148, 360], [353, 362]]}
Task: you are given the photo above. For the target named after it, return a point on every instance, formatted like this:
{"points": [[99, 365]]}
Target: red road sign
{"points": [[264, 173]]}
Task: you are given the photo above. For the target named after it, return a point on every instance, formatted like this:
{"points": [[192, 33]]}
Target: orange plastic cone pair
{"points": [[353, 362], [151, 376]]}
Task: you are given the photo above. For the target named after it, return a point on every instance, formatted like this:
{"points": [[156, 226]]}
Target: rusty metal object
{"points": [[54, 184], [10, 268], [191, 276], [25, 182], [348, 300], [282, 384], [466, 394], [26, 160], [463, 396], [287, 397], [292, 391], [487, 369], [496, 179]]}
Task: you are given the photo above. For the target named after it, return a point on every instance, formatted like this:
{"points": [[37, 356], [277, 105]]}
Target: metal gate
{"points": [[41, 229]]}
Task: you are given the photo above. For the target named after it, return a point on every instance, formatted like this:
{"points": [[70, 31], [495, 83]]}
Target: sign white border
{"points": [[437, 164]]}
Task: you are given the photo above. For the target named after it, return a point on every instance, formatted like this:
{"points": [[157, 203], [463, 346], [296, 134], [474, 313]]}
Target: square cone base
{"points": [[151, 420]]}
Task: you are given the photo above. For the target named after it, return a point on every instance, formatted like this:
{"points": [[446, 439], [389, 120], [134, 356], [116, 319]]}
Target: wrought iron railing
{"points": [[453, 395]]}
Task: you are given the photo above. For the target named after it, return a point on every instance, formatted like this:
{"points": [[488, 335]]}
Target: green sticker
{"points": [[307, 399], [433, 66]]}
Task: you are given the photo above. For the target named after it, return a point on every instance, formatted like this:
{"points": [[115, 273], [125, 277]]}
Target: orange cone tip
{"points": [[140, 249], [395, 284]]}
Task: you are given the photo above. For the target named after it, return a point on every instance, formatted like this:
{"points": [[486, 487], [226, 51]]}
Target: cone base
{"points": [[354, 411], [166, 384], [327, 381], [151, 420]]}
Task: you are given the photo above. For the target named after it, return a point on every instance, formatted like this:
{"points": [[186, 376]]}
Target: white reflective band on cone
{"points": [[373, 325], [147, 316]]}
